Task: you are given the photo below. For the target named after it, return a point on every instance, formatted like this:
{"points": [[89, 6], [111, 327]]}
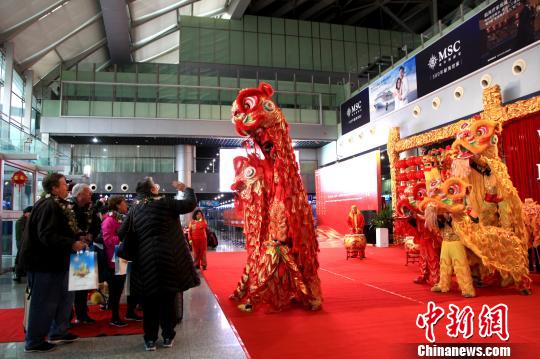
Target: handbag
{"points": [[27, 298]]}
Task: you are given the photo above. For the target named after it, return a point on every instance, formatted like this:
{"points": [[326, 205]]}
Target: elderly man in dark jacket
{"points": [[48, 240], [162, 265], [89, 225]]}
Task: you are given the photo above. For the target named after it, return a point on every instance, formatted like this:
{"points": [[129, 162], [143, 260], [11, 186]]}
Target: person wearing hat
{"points": [[19, 229]]}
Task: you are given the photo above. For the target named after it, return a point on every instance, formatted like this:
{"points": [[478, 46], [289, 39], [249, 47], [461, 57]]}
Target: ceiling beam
{"points": [[362, 14], [149, 17], [396, 19], [29, 61], [322, 4], [16, 29], [258, 5], [116, 23], [287, 8], [415, 11]]}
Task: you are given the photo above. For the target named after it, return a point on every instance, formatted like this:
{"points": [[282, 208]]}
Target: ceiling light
{"points": [[95, 140], [104, 150]]}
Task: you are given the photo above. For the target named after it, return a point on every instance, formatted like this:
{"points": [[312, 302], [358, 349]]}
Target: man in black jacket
{"points": [[89, 225], [48, 240]]}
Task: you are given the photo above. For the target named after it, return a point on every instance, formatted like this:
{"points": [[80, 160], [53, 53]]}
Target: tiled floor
{"points": [[204, 332]]}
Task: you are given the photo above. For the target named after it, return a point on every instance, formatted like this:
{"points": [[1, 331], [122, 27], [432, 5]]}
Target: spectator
{"points": [[48, 239], [109, 227], [162, 265], [197, 235], [89, 226], [19, 229]]}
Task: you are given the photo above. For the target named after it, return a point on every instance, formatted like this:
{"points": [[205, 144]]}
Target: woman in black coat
{"points": [[162, 265]]}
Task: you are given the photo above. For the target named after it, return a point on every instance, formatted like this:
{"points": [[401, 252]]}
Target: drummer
{"points": [[356, 220]]}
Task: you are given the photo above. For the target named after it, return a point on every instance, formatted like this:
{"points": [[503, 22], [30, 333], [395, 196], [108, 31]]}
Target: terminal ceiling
{"points": [[48, 34]]}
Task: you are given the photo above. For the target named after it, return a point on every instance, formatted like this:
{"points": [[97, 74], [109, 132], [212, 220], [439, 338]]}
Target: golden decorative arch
{"points": [[493, 110]]}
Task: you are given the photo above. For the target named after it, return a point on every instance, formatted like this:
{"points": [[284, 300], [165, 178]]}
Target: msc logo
{"points": [[442, 55], [354, 108]]}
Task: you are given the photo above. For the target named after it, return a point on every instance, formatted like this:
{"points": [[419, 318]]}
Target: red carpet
{"points": [[12, 328], [370, 309]]}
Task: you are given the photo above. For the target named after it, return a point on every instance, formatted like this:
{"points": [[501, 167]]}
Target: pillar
{"points": [[8, 85], [185, 157], [28, 86]]}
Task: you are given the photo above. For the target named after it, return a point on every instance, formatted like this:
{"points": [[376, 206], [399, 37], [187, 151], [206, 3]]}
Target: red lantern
{"points": [[19, 179]]}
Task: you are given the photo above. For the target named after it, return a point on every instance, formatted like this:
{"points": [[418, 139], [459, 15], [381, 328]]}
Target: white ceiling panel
{"points": [[157, 47], [99, 57], [170, 58], [45, 65], [52, 27], [150, 28], [141, 8], [18, 13], [82, 41], [206, 6]]}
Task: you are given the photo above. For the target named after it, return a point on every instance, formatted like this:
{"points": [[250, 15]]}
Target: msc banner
{"points": [[508, 26], [449, 59], [355, 111]]}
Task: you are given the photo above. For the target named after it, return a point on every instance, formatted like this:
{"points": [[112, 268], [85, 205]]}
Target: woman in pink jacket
{"points": [[110, 224]]}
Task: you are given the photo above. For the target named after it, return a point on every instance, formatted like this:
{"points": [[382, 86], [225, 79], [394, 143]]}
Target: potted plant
{"points": [[382, 221]]}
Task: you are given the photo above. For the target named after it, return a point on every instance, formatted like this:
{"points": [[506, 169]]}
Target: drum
{"points": [[355, 245]]}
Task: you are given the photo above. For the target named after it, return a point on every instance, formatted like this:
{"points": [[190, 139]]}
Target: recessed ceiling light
{"points": [[95, 140]]}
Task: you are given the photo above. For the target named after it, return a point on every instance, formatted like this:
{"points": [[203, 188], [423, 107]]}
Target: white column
{"points": [[185, 156], [28, 86]]}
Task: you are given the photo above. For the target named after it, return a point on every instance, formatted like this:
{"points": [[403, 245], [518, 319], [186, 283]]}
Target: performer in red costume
{"points": [[197, 235], [285, 269], [356, 220], [429, 243]]}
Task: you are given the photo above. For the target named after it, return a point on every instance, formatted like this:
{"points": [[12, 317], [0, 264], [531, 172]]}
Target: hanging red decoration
{"points": [[19, 179]]}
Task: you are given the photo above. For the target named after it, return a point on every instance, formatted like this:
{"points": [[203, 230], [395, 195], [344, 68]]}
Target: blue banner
{"points": [[355, 111], [450, 58]]}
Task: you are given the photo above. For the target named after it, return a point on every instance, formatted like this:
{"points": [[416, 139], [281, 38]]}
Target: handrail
{"points": [[137, 84]]}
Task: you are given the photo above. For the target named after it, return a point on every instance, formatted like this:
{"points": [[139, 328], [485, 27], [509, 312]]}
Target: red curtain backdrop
{"points": [[521, 151], [339, 186]]}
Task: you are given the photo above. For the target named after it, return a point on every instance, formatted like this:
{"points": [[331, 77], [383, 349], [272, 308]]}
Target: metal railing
{"points": [[124, 99]]}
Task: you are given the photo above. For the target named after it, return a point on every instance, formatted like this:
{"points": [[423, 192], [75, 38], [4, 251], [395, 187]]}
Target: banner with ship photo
{"points": [[394, 90]]}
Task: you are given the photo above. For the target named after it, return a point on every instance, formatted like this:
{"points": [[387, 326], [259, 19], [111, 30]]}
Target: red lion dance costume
{"points": [[280, 233]]}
